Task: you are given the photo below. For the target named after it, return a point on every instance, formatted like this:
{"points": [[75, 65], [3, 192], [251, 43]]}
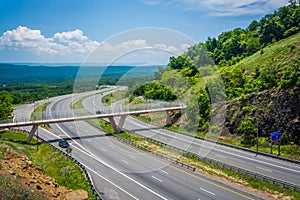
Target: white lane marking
{"points": [[132, 156], [103, 149], [124, 161], [240, 156], [163, 171], [220, 156], [114, 169], [207, 191], [157, 179], [111, 182], [97, 172], [264, 169]]}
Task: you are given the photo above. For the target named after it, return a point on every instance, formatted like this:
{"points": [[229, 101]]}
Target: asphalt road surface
{"points": [[122, 172], [271, 167]]}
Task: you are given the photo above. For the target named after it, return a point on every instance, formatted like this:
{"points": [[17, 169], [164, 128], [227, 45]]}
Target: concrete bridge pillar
{"points": [[168, 118], [121, 121], [117, 128], [31, 134]]}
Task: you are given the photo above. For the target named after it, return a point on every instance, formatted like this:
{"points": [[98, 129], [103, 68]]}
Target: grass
{"points": [[137, 100], [38, 114], [60, 168], [116, 96], [213, 170], [289, 150], [50, 160], [10, 189], [205, 167], [280, 54]]}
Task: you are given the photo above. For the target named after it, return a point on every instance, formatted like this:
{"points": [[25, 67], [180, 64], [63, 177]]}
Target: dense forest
{"points": [[240, 62], [231, 46]]}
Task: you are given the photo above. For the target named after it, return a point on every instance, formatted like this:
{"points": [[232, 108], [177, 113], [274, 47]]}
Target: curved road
{"points": [[271, 167], [122, 172]]}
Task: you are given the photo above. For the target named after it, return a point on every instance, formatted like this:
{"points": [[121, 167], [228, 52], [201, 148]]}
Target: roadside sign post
{"points": [[275, 137]]}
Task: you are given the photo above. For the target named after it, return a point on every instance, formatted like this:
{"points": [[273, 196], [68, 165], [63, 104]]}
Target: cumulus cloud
{"points": [[135, 51], [139, 44], [224, 7], [23, 38], [74, 44]]}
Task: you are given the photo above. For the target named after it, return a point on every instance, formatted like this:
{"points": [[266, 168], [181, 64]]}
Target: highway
{"points": [[122, 172], [271, 167]]}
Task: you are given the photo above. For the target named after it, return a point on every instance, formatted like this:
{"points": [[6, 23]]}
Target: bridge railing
{"points": [[40, 116]]}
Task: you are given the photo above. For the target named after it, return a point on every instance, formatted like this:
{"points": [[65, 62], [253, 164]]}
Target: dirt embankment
{"points": [[21, 179]]}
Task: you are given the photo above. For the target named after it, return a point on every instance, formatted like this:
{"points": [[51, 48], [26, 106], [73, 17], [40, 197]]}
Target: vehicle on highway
{"points": [[98, 112], [63, 143]]}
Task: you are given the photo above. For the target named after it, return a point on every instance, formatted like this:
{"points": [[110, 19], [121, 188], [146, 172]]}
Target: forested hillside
{"points": [[261, 60], [231, 46]]}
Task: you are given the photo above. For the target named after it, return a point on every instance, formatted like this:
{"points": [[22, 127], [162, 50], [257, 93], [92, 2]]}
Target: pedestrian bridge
{"points": [[110, 116]]}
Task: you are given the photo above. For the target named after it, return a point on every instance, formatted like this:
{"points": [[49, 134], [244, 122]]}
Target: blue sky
{"points": [[68, 30]]}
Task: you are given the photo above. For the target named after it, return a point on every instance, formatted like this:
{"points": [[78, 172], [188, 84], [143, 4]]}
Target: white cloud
{"points": [[133, 51], [225, 7], [63, 43], [75, 41], [25, 38], [75, 45]]}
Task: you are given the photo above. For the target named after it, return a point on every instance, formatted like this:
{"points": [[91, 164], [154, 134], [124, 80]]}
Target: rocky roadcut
{"points": [[32, 179]]}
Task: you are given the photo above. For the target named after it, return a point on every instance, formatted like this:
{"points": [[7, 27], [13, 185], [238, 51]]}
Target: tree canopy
{"points": [[231, 46], [5, 105]]}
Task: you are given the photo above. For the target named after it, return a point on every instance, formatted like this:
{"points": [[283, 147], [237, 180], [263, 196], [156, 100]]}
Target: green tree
{"points": [[5, 105], [271, 29]]}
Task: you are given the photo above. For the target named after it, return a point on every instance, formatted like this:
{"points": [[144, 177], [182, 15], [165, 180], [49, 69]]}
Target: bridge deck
{"points": [[70, 119]]}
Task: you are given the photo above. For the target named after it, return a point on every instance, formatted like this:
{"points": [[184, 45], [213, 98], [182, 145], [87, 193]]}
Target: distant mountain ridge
{"points": [[36, 73]]}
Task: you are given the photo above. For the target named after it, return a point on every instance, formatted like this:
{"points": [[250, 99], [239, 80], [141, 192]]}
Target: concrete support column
{"points": [[121, 122], [31, 134], [113, 124], [168, 119]]}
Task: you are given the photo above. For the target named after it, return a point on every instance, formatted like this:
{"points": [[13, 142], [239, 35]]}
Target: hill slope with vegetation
{"points": [[259, 68]]}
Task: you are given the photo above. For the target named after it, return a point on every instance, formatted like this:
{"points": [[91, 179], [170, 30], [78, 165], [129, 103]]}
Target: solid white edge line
{"points": [[90, 169], [111, 167], [240, 156]]}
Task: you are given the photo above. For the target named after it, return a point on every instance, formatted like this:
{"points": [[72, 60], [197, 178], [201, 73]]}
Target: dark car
{"points": [[63, 143], [98, 112]]}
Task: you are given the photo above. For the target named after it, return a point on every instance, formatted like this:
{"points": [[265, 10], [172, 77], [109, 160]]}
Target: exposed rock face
{"points": [[271, 110], [31, 178]]}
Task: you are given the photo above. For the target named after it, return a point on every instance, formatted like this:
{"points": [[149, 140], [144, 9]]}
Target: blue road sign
{"points": [[276, 136], [106, 100]]}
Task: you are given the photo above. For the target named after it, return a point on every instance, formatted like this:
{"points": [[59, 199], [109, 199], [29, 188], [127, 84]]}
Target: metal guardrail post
{"points": [[231, 167]]}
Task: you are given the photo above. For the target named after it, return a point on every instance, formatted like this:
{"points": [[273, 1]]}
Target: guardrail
{"points": [[172, 160], [222, 164], [241, 148], [81, 166], [225, 144]]}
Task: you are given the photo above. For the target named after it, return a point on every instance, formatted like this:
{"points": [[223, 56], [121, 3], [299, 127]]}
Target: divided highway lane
{"points": [[139, 174], [272, 167]]}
